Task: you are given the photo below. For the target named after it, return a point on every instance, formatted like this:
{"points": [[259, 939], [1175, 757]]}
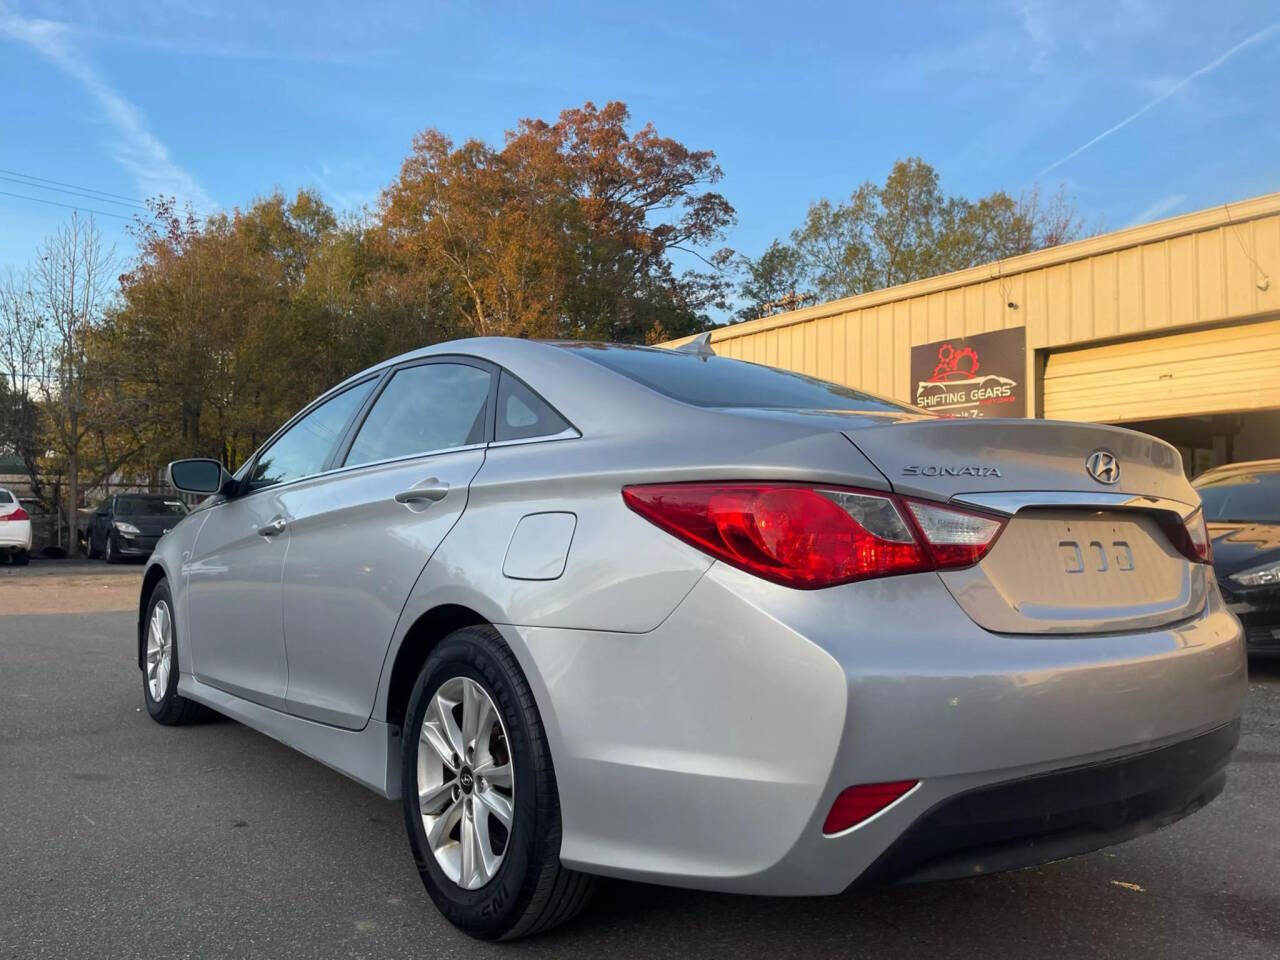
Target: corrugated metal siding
{"points": [[1215, 265], [1181, 374]]}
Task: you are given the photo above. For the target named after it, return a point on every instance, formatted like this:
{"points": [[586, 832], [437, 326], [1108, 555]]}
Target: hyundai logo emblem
{"points": [[1103, 466]]}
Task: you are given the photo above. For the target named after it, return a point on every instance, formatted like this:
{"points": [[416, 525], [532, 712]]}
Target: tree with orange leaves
{"points": [[568, 230]]}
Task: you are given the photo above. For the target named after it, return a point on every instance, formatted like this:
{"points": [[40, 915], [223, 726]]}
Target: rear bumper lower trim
{"points": [[1050, 816]]}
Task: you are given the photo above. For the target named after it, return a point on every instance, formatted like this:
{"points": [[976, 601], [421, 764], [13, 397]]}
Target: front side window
{"points": [[432, 406], [303, 449]]}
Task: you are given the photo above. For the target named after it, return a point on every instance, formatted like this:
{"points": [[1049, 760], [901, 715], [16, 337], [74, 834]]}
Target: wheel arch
{"points": [[154, 574], [420, 639]]}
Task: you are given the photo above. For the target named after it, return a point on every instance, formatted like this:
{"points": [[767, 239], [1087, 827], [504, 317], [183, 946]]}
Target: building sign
{"points": [[978, 376]]}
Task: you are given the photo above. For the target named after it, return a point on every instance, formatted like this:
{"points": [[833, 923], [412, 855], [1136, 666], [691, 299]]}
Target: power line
{"points": [[74, 186], [68, 206], [76, 193]]}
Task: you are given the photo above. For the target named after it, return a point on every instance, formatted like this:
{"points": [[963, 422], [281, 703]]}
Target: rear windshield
{"points": [[149, 507], [723, 382], [6, 496], [1242, 498]]}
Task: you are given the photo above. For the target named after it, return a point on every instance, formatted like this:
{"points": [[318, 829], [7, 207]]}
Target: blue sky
{"points": [[1141, 109]]}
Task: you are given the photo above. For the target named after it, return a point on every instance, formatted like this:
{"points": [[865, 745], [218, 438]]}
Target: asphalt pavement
{"points": [[122, 838]]}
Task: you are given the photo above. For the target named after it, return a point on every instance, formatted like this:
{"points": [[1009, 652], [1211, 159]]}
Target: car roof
{"points": [[1244, 466]]}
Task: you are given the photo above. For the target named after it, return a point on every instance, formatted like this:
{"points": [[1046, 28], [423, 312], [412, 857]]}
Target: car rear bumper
{"points": [[15, 535], [1059, 814], [708, 752]]}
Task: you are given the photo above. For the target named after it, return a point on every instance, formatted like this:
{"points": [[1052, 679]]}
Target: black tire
{"points": [[531, 891], [172, 709], [109, 553], [22, 558], [93, 553]]}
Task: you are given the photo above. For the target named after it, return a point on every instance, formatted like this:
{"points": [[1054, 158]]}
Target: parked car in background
{"points": [[1242, 508], [130, 524], [597, 609], [15, 529]]}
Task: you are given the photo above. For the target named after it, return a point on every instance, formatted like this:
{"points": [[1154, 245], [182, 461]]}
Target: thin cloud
{"points": [[137, 149], [1209, 67], [1040, 35], [1158, 209]]}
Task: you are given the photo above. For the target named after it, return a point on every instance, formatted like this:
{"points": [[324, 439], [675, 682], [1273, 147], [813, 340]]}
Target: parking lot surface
{"points": [[122, 838]]}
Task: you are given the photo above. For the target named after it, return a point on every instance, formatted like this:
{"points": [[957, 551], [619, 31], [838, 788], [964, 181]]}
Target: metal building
{"points": [[1171, 327]]}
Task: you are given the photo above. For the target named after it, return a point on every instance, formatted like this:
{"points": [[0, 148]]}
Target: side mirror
{"points": [[198, 476], [104, 513]]}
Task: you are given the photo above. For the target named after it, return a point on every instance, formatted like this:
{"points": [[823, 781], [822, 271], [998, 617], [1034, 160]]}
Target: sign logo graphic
{"points": [[978, 376]]}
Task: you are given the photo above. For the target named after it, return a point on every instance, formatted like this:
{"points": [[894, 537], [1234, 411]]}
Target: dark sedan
{"points": [[1242, 507], [130, 524]]}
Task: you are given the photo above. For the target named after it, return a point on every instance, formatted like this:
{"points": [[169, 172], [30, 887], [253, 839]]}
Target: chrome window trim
{"points": [[568, 433], [1010, 502], [347, 468]]}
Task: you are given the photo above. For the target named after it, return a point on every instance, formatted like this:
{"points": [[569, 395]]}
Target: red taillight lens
{"points": [[803, 536], [856, 804], [17, 514], [1191, 537]]}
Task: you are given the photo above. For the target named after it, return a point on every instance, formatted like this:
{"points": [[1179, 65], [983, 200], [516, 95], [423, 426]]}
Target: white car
{"points": [[15, 529]]}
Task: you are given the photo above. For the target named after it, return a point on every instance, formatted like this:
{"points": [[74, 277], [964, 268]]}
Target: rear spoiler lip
{"points": [[1009, 502]]}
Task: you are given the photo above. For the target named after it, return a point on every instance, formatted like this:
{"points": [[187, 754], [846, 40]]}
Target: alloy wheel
{"points": [[159, 650], [465, 782]]}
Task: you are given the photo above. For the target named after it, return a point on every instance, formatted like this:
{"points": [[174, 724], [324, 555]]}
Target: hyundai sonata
{"points": [[657, 614]]}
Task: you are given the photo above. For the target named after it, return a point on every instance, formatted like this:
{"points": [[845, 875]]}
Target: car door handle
{"points": [[429, 490], [274, 528]]}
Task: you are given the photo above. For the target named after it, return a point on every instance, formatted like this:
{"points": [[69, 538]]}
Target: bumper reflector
{"points": [[856, 804]]}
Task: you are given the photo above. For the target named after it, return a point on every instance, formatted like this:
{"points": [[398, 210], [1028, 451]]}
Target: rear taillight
{"points": [[858, 804], [17, 514], [1191, 537], [809, 537]]}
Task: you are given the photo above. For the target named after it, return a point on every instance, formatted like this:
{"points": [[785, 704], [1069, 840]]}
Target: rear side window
{"points": [[6, 496], [429, 407], [723, 382], [303, 449], [522, 414]]}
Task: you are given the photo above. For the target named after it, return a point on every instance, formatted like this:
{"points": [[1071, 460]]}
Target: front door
{"points": [[234, 612], [233, 599], [359, 538]]}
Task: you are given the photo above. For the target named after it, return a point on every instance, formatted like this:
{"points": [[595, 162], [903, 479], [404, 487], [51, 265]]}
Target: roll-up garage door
{"points": [[1221, 370]]}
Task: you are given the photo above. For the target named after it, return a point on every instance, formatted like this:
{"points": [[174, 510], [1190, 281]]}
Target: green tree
{"points": [[907, 229], [776, 273]]}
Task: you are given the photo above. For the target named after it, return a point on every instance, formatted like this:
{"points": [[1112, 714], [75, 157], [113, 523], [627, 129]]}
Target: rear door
{"points": [[233, 582], [360, 536]]}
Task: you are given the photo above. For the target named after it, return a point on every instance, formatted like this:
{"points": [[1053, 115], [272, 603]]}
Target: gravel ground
{"points": [[121, 838]]}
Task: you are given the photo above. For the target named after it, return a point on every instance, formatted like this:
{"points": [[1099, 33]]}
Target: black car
{"points": [[1242, 509], [130, 524]]}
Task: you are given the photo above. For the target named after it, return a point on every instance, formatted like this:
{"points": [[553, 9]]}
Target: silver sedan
{"points": [[606, 610]]}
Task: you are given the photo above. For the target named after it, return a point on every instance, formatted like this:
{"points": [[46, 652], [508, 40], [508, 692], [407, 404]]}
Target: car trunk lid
{"points": [[940, 458], [1077, 555]]}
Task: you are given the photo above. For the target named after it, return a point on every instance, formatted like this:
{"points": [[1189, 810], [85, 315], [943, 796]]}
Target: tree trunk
{"points": [[73, 498]]}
